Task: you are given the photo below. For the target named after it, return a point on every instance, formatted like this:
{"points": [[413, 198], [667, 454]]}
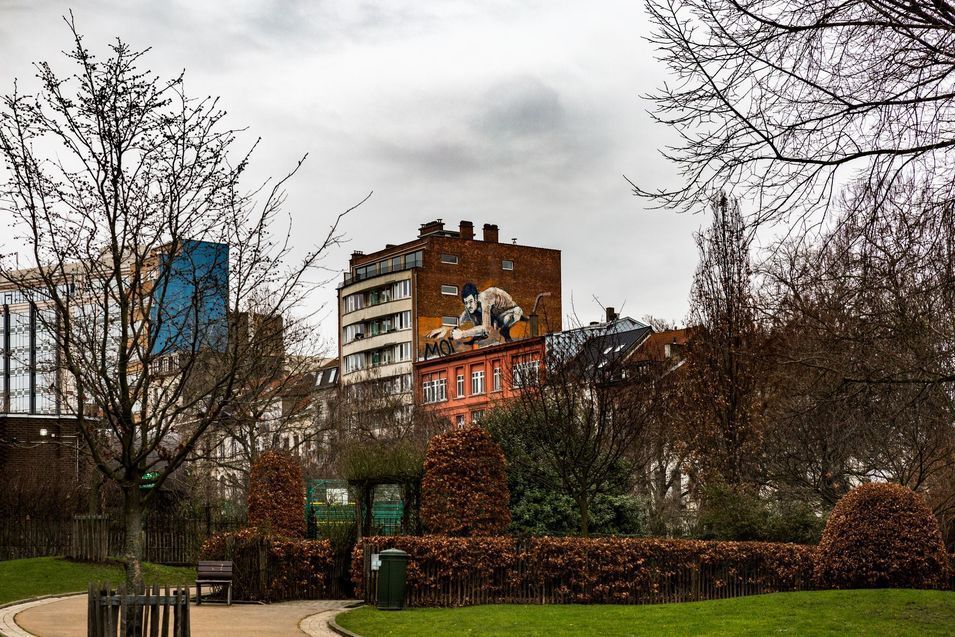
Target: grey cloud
{"points": [[520, 107]]}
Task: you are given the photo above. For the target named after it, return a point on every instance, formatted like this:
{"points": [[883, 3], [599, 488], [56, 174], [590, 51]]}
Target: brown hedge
{"points": [[594, 570], [881, 535], [277, 495], [464, 491], [271, 568]]}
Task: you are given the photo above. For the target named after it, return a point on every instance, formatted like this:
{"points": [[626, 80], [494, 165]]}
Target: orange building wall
{"points": [[460, 410]]}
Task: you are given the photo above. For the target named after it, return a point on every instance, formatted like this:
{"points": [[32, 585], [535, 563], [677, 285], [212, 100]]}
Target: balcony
{"points": [[383, 267]]}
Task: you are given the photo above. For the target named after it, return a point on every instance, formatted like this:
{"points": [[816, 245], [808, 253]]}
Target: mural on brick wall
{"points": [[487, 319]]}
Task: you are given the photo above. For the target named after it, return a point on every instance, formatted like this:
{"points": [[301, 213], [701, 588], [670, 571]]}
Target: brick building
{"points": [[464, 385], [441, 294]]}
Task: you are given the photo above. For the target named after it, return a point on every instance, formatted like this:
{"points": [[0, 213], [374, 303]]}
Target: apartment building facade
{"points": [[441, 294]]}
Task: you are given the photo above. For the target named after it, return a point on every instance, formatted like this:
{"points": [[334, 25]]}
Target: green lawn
{"points": [[871, 612], [21, 579]]}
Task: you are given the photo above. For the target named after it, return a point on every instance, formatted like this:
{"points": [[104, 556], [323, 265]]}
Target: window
{"points": [[477, 381], [507, 264], [460, 388], [354, 362], [476, 417], [524, 374], [449, 320], [353, 332], [459, 421], [497, 377], [403, 320], [414, 259], [434, 389], [401, 290], [449, 258], [354, 302], [449, 290], [403, 351]]}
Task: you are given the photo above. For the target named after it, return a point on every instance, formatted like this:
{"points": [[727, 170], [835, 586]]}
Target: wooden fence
{"points": [[522, 582], [94, 538], [89, 540], [116, 614], [33, 537]]}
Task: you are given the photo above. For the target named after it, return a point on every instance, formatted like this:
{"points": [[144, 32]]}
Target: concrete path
{"points": [[66, 617]]}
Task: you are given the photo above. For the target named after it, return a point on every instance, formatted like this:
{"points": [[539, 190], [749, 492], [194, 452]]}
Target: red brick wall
{"points": [[536, 270], [23, 450]]}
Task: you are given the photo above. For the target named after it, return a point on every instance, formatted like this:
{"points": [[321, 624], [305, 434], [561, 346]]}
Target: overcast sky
{"points": [[523, 114]]}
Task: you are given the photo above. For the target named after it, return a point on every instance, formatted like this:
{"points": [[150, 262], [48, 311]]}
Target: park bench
{"points": [[214, 574]]}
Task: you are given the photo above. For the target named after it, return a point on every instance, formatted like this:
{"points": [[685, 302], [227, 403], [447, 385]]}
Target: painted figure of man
{"points": [[492, 309]]}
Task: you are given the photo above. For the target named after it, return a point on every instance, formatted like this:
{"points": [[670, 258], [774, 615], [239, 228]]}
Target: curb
{"points": [[41, 597], [344, 632]]}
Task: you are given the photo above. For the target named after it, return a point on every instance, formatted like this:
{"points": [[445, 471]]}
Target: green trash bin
{"points": [[391, 579]]}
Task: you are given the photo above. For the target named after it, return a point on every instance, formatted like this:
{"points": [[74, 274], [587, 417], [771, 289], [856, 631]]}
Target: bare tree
{"points": [[723, 397], [145, 252], [864, 320], [779, 100]]}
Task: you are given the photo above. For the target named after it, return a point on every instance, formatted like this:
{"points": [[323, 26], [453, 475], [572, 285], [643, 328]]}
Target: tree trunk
{"points": [[133, 549], [368, 495], [583, 506]]}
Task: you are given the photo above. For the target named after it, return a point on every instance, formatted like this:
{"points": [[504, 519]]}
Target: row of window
{"points": [[30, 364], [476, 417], [434, 386], [452, 259], [369, 298], [391, 264], [379, 388], [381, 325], [397, 353]]}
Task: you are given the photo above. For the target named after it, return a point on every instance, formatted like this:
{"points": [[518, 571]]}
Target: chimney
{"points": [[490, 232], [535, 328], [430, 228], [466, 230], [611, 315]]}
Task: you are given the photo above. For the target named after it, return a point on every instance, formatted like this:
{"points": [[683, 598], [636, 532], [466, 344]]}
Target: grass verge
{"points": [[22, 579], [856, 612]]}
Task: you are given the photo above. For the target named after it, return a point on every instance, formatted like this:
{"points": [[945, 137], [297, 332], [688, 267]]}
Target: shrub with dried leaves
{"points": [[881, 535], [464, 491], [277, 495]]}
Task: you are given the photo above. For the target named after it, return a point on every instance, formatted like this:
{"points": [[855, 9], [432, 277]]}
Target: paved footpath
{"points": [[66, 617]]}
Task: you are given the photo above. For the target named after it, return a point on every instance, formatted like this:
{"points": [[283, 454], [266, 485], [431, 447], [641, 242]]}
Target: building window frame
{"points": [[477, 382], [449, 290]]}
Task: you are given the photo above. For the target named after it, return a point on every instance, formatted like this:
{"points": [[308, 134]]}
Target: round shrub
{"points": [[881, 535], [464, 491], [277, 495]]}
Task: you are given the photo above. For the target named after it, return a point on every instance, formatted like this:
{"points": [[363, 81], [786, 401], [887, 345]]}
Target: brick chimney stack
{"points": [[466, 230], [490, 232], [430, 228]]}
